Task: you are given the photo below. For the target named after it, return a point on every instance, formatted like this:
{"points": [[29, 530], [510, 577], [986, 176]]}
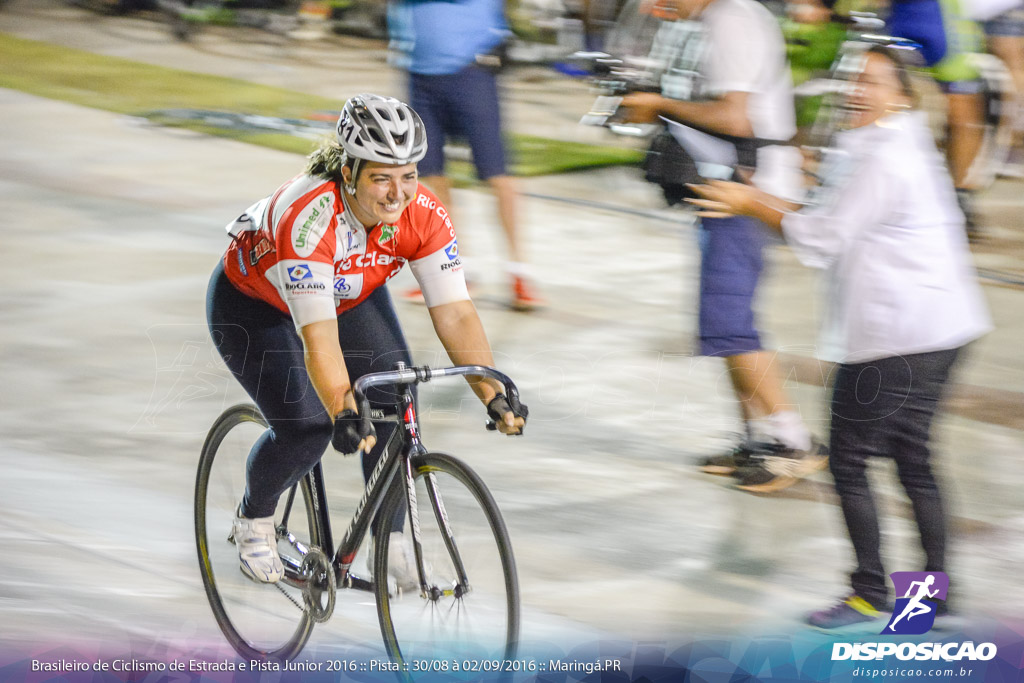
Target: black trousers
{"points": [[261, 347], [885, 408]]}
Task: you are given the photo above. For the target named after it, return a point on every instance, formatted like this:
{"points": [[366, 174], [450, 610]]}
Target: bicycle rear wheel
{"points": [[261, 621], [460, 526]]}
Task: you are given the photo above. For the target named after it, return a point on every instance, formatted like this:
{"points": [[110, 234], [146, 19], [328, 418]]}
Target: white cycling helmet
{"points": [[381, 129]]}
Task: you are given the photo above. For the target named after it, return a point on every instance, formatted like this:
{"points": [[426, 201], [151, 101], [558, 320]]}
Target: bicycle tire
{"points": [[260, 621], [484, 546]]}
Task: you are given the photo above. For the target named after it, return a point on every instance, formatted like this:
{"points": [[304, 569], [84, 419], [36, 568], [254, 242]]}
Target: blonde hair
{"points": [[327, 160]]}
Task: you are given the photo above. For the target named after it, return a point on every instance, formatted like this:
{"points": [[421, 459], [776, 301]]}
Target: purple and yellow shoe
{"points": [[848, 612]]}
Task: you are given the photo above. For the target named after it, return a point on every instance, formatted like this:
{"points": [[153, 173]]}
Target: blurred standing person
{"points": [[451, 50], [726, 73], [1005, 34], [902, 302]]}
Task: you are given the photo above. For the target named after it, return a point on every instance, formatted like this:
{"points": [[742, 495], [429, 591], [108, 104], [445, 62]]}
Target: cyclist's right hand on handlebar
{"points": [[507, 419], [352, 433]]}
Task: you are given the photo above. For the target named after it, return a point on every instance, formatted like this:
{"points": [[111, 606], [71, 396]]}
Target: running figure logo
{"points": [[914, 613]]}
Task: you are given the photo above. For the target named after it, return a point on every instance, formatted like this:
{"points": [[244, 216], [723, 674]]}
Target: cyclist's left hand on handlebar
{"points": [[507, 420], [352, 433]]}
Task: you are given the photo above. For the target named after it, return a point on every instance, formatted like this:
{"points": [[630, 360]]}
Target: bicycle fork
{"points": [[415, 447]]}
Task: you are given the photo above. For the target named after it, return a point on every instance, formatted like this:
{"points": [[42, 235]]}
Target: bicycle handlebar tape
{"points": [[500, 404], [349, 430]]}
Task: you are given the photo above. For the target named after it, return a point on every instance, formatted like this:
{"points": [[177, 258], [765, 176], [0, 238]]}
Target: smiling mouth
{"points": [[391, 206]]}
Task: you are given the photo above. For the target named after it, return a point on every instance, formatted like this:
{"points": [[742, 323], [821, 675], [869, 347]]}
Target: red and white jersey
{"points": [[304, 252]]}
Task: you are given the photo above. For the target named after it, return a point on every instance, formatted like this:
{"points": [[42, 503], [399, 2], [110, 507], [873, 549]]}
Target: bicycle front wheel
{"points": [[471, 605], [261, 621]]}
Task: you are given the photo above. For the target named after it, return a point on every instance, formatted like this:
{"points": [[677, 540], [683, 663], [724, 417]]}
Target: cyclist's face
{"points": [[383, 192], [876, 92]]}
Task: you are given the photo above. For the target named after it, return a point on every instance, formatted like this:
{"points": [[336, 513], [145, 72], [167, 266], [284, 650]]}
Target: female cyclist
{"points": [[298, 310]]}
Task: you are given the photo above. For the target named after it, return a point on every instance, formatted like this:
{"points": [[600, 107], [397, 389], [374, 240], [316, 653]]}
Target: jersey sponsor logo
{"points": [[241, 263], [368, 260], [311, 287], [432, 205], [311, 223], [262, 248], [348, 286], [300, 272], [452, 252], [301, 281], [387, 233]]}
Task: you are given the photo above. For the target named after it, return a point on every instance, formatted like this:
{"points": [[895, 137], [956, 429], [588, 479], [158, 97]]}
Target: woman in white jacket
{"points": [[902, 301]]}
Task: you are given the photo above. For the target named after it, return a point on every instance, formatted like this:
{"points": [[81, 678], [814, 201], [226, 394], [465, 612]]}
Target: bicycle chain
{"points": [[289, 596], [314, 559]]}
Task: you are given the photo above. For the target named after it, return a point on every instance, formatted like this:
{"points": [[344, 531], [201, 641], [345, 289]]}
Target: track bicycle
{"points": [[466, 599]]}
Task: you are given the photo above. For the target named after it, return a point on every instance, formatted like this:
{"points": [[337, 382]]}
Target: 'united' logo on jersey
{"points": [[299, 272]]}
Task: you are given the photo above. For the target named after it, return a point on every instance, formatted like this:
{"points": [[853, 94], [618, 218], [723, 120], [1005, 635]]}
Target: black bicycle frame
{"points": [[402, 445]]}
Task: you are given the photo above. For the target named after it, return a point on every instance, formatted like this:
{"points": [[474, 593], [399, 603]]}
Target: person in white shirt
{"points": [[902, 299], [726, 74]]}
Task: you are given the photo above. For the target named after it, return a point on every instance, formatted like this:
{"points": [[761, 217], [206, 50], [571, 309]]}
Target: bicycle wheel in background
{"points": [[260, 621], [476, 618]]}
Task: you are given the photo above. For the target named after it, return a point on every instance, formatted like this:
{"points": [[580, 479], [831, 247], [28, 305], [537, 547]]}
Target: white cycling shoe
{"points": [[256, 540]]}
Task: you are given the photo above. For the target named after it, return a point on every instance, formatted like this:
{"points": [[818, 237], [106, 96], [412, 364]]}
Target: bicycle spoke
{"points": [[258, 619], [448, 621]]}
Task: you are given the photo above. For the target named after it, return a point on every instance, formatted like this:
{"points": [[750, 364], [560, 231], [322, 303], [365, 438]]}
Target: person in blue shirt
{"points": [[450, 49]]}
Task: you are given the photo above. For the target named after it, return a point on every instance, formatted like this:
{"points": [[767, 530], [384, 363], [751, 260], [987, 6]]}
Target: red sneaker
{"points": [[413, 296], [524, 296]]}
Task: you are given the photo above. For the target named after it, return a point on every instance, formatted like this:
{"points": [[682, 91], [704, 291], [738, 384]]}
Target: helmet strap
{"points": [[350, 186]]}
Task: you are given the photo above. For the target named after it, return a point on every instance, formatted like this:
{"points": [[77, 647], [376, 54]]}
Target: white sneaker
{"points": [[256, 540], [401, 562]]}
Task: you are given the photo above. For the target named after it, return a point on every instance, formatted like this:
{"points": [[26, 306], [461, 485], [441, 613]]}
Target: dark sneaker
{"points": [[725, 464], [773, 467], [847, 612]]}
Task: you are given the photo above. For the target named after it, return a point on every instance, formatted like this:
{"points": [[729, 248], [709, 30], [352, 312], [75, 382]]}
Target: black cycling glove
{"points": [[349, 430], [499, 405]]}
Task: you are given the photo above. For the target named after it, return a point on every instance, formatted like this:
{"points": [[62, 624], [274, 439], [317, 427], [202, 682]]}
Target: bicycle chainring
{"points": [[320, 590]]}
